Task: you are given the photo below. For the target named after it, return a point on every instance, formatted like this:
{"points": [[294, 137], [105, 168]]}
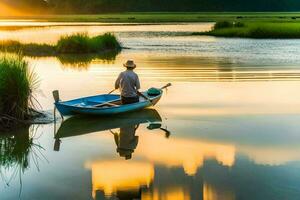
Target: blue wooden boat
{"points": [[105, 104]]}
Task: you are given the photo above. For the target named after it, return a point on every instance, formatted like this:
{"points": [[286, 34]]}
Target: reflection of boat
{"points": [[107, 104], [79, 125]]}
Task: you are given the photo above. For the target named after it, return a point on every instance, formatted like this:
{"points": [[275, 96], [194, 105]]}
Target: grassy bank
{"points": [[157, 17], [74, 44], [254, 30], [17, 84]]}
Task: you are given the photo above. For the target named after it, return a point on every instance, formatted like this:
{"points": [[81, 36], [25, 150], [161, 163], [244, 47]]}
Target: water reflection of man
{"points": [[126, 141]]}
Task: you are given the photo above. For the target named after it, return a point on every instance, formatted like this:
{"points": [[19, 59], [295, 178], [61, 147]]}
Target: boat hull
{"points": [[86, 105]]}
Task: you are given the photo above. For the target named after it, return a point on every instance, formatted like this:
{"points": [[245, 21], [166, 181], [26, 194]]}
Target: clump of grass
{"points": [[238, 24], [223, 24], [256, 30], [82, 43], [17, 83], [227, 24], [78, 43]]}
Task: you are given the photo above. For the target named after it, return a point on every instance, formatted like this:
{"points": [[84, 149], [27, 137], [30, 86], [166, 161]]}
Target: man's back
{"points": [[128, 82]]}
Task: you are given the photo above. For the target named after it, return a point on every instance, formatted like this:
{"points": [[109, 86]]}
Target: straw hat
{"points": [[130, 64]]}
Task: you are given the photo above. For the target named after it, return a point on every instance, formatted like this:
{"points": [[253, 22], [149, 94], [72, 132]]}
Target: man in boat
{"points": [[129, 84]]}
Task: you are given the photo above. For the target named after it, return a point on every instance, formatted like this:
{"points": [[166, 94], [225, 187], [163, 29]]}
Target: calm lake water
{"points": [[227, 129]]}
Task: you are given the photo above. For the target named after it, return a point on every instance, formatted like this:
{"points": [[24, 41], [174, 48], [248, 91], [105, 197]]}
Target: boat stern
{"points": [[63, 109]]}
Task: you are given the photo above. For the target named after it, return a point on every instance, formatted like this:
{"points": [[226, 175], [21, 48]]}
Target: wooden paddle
{"points": [[166, 86], [145, 97], [112, 103], [112, 91], [109, 103]]}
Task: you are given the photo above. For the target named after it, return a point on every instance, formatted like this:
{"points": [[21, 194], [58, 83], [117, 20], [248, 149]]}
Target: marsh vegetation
{"points": [[254, 30], [79, 43]]}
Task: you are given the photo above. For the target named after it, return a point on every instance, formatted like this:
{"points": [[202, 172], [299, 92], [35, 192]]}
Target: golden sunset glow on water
{"points": [[188, 154], [113, 176]]}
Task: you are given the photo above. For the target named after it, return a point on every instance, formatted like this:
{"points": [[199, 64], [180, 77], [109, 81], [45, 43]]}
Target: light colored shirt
{"points": [[128, 82]]}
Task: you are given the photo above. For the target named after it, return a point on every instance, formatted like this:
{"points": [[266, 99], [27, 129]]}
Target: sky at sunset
{"points": [[7, 10]]}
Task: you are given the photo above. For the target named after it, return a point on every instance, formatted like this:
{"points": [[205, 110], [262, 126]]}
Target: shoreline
{"points": [[76, 44], [45, 24], [161, 17]]}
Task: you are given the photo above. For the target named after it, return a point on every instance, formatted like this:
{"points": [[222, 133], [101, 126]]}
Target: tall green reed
{"points": [[17, 83]]}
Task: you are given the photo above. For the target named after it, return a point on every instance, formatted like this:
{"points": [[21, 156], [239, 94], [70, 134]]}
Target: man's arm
{"points": [[117, 83], [137, 83]]}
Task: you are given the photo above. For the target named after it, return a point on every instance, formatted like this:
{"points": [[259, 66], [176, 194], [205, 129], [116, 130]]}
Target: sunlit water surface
{"points": [[227, 129]]}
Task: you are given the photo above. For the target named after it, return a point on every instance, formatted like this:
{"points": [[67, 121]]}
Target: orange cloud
{"points": [[7, 10]]}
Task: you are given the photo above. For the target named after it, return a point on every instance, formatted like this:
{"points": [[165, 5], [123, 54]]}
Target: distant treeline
{"points": [[104, 6]]}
